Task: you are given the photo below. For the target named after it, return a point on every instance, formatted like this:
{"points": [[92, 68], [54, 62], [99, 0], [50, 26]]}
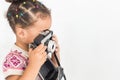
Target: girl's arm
{"points": [[37, 57]]}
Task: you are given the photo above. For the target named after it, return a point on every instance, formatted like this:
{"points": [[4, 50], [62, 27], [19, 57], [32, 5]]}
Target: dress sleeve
{"points": [[14, 64]]}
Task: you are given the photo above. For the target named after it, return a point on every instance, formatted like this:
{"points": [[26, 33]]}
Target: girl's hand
{"points": [[37, 56], [57, 51]]}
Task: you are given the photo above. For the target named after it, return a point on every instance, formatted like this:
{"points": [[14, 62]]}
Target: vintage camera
{"points": [[45, 38], [48, 71]]}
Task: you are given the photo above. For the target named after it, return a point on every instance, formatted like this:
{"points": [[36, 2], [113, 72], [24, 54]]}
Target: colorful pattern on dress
{"points": [[14, 60]]}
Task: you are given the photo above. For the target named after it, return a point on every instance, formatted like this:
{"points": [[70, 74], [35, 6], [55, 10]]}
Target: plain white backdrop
{"points": [[88, 33]]}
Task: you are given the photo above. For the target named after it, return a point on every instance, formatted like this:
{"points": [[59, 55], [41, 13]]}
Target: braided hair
{"points": [[23, 12]]}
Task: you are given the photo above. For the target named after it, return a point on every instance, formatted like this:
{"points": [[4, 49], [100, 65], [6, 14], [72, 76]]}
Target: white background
{"points": [[88, 33]]}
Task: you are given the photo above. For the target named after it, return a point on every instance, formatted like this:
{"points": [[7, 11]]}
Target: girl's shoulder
{"points": [[15, 62]]}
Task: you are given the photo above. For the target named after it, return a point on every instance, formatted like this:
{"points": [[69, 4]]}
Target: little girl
{"points": [[27, 18]]}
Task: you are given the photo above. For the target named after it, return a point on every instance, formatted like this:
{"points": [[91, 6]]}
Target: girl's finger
{"points": [[42, 50], [44, 56], [30, 50], [55, 38], [40, 47]]}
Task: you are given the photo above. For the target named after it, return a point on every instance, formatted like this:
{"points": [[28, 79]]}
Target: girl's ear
{"points": [[20, 32]]}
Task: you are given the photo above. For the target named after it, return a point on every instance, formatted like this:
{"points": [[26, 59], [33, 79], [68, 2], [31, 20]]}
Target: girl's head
{"points": [[27, 19]]}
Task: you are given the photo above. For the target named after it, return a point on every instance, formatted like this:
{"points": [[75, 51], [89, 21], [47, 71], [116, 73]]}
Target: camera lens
{"points": [[51, 46]]}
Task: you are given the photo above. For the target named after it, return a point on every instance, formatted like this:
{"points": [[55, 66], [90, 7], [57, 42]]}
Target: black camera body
{"points": [[45, 38], [48, 71]]}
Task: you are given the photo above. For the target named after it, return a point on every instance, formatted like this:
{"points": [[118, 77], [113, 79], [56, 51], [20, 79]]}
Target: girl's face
{"points": [[36, 28]]}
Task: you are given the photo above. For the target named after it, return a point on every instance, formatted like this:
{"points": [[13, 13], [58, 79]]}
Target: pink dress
{"points": [[16, 62]]}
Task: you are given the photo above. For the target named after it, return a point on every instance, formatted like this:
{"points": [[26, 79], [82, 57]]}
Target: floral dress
{"points": [[15, 62]]}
